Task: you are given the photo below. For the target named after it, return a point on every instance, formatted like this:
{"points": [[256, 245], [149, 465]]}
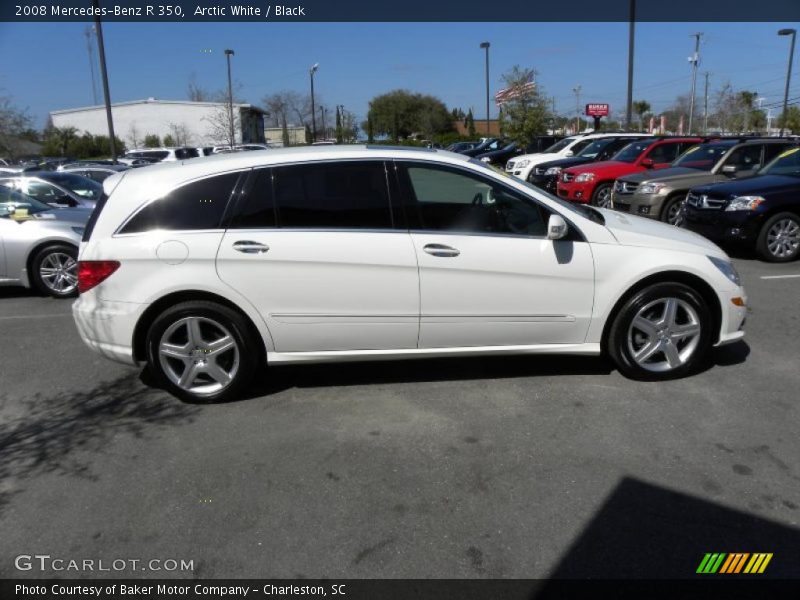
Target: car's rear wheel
{"points": [[662, 332], [779, 238], [54, 271], [202, 351], [602, 196], [671, 211]]}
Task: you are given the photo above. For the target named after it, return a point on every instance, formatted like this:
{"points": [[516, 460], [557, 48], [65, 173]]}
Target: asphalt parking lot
{"points": [[503, 467]]}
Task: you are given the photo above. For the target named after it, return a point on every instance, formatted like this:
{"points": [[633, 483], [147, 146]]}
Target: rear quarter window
{"points": [[198, 205]]}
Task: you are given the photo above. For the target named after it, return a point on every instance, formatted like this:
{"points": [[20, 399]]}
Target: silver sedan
{"points": [[39, 244]]}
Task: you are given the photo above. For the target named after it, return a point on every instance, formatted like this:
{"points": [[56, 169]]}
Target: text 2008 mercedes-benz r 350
{"points": [[211, 269]]}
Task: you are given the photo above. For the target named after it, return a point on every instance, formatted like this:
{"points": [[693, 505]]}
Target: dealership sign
{"points": [[597, 110]]}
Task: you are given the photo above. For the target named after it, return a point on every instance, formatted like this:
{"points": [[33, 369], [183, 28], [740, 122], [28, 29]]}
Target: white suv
{"points": [[521, 166], [210, 269]]}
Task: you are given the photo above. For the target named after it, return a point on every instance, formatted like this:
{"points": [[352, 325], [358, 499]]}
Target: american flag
{"points": [[510, 93]]}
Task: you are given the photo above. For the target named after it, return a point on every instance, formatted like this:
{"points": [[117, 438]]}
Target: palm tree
{"points": [[641, 108]]}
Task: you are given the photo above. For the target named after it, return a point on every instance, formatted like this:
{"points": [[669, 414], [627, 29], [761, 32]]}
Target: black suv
{"points": [[763, 211]]}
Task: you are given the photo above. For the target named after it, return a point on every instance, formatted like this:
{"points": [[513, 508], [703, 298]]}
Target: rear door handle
{"points": [[441, 250], [249, 247]]}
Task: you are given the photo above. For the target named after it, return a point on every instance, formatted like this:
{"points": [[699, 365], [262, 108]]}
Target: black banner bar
{"points": [[267, 11]]}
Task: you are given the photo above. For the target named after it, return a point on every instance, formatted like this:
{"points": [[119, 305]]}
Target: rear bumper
{"points": [[107, 327]]}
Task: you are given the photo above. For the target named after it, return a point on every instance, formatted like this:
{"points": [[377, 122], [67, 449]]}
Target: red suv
{"points": [[593, 182]]}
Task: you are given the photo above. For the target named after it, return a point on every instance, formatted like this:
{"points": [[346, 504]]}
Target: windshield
{"points": [[595, 148], [632, 151], [560, 145], [702, 157], [82, 186], [16, 205], [787, 163]]}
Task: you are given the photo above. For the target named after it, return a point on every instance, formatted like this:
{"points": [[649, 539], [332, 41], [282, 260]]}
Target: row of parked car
{"points": [[731, 190]]}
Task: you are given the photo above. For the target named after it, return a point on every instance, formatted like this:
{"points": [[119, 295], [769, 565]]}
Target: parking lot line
{"points": [[780, 276], [34, 316]]}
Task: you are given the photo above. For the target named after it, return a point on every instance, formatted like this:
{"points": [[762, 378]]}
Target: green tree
{"points": [[791, 120], [339, 132], [370, 131], [525, 113], [151, 140], [641, 108], [58, 139], [14, 122], [401, 113], [470, 124], [169, 140]]}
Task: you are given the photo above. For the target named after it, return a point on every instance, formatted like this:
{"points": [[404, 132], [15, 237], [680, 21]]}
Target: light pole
{"points": [[485, 46], [631, 32], [793, 33], [101, 50], [313, 70], [694, 59], [577, 91], [228, 54]]}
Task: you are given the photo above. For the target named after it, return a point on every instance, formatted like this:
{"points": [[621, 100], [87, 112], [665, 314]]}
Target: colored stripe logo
{"points": [[734, 563]]}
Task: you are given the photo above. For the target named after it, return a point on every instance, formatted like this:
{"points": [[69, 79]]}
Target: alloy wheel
{"points": [[603, 198], [199, 355], [783, 238], [664, 335], [59, 273]]}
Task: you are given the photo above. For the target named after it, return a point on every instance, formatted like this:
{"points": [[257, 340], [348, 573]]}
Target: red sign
{"points": [[597, 110]]}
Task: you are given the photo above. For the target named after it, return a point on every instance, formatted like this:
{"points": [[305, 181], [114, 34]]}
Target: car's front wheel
{"points": [[202, 351], [662, 332], [671, 212], [779, 239], [54, 271], [602, 196]]}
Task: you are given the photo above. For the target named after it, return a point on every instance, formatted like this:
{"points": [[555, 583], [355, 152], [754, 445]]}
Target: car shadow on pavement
{"points": [[20, 292], [644, 531], [58, 432]]}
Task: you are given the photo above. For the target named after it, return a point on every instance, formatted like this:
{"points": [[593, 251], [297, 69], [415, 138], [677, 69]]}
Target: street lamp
{"points": [[313, 70], [485, 46], [793, 33], [228, 54]]}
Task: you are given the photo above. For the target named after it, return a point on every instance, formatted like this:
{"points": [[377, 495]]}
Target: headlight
{"points": [[553, 171], [522, 163], [745, 203], [486, 159], [727, 269], [78, 230], [584, 177], [651, 188]]}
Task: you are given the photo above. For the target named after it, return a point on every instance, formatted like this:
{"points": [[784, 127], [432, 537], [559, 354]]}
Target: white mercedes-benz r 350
{"points": [[211, 269]]}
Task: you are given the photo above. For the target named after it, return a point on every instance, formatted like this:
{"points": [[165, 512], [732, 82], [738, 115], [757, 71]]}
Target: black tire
{"points": [[670, 210], [47, 259], [622, 335], [212, 317], [601, 197], [779, 253]]}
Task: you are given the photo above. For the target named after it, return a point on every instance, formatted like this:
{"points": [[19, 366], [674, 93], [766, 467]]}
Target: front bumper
{"points": [[107, 327], [642, 205], [723, 226], [576, 192], [733, 317]]}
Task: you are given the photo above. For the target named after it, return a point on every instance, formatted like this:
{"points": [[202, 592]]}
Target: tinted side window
{"points": [[257, 210], [196, 205], [772, 150], [346, 195], [745, 157], [664, 153], [455, 201]]}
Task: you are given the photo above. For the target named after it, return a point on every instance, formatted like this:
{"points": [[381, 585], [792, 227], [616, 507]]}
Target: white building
{"points": [[189, 123]]}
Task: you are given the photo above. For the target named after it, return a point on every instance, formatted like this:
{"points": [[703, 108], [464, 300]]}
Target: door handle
{"points": [[441, 250], [249, 247]]}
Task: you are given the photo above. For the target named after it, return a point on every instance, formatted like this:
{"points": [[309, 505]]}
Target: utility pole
{"points": [[784, 117], [88, 32], [705, 106], [485, 46], [104, 75], [577, 91], [631, 31], [313, 70], [228, 54], [694, 59]]}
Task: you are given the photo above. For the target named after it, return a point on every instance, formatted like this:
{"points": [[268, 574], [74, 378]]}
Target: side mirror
{"points": [[729, 169], [556, 227], [648, 163], [569, 153]]}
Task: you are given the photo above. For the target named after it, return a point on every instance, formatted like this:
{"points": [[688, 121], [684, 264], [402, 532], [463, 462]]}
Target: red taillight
{"points": [[93, 272]]}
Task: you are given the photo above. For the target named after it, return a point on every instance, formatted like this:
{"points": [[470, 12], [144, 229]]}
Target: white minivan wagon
{"points": [[210, 269]]}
